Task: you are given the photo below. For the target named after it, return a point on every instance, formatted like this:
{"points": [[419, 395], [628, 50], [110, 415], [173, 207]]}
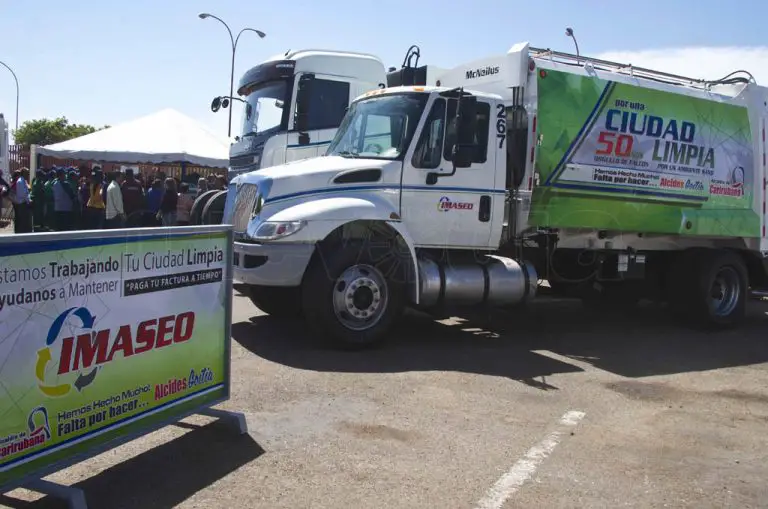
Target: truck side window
{"points": [[328, 104], [428, 153], [483, 112], [481, 139]]}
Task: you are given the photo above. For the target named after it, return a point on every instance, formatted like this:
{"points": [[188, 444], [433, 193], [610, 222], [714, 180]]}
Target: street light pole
{"points": [[234, 41], [569, 33], [17, 92]]}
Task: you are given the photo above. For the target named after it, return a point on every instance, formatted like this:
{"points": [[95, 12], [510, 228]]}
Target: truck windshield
{"points": [[263, 110], [380, 127]]}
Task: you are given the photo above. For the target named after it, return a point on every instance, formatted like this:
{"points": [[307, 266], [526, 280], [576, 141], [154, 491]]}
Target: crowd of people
{"points": [[65, 199]]}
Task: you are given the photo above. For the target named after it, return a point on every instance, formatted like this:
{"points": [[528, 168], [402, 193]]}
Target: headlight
{"points": [[271, 230]]}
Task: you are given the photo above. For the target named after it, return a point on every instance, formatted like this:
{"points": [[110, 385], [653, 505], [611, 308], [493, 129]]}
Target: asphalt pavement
{"points": [[551, 406]]}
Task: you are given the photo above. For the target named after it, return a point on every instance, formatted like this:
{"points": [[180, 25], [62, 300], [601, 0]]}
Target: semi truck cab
{"points": [[294, 102]]}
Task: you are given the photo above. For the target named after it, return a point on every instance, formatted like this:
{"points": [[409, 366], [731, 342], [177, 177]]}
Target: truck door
{"points": [[455, 211], [320, 104]]}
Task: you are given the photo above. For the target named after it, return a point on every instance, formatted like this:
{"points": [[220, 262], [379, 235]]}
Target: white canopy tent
{"points": [[163, 137]]}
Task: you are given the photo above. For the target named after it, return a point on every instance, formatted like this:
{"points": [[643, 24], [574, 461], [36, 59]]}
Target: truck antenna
{"points": [[569, 33]]}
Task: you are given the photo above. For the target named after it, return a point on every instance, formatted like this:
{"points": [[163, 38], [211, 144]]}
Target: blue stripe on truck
{"points": [[393, 187]]}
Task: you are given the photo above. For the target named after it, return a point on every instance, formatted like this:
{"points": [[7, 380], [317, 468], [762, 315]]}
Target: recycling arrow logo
{"points": [[44, 356]]}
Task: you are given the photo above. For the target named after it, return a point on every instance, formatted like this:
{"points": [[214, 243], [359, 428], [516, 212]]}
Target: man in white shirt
{"points": [[115, 213], [19, 195]]}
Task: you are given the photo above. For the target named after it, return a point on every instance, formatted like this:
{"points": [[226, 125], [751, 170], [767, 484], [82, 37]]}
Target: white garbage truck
{"points": [[293, 104], [614, 183]]}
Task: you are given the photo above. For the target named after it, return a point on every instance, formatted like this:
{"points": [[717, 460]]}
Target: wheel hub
{"points": [[360, 297], [725, 291]]}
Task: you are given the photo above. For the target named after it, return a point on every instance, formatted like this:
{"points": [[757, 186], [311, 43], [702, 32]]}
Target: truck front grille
{"points": [[241, 161], [243, 209]]}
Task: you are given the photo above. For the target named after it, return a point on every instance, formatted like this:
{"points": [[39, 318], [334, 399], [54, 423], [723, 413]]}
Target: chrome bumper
{"points": [[271, 264]]}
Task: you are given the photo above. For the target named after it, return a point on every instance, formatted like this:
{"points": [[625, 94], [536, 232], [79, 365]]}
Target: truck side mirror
{"points": [[303, 97], [464, 130]]}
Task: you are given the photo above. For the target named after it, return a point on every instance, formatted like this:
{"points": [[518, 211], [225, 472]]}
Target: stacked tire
{"points": [[208, 208]]}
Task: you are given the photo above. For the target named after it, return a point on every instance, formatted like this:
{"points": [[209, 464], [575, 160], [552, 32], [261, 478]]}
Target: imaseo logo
{"points": [[445, 204], [88, 349]]}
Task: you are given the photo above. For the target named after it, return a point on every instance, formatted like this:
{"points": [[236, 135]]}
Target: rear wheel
{"points": [[352, 297], [709, 288], [196, 213]]}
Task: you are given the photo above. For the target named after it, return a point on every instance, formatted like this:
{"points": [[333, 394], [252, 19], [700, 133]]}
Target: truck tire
{"points": [[349, 298], [709, 288], [196, 213], [276, 301], [213, 212]]}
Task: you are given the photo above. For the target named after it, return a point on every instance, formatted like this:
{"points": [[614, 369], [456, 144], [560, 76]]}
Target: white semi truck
{"points": [[612, 182], [294, 102]]}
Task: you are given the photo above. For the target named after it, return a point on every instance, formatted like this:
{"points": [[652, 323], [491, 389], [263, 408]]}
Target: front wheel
{"points": [[350, 297]]}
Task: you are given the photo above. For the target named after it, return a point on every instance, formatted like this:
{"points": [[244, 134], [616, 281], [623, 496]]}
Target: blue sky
{"points": [[107, 62]]}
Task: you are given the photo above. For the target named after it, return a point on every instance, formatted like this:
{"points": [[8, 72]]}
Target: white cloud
{"points": [[703, 62]]}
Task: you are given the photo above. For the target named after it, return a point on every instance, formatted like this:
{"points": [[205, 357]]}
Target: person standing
{"points": [[22, 209], [96, 206], [77, 217], [50, 214], [133, 199], [169, 203], [115, 212], [202, 186], [64, 199], [37, 196], [154, 200], [85, 183], [184, 207]]}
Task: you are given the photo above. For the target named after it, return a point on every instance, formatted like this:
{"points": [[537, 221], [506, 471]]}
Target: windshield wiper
{"points": [[347, 153]]}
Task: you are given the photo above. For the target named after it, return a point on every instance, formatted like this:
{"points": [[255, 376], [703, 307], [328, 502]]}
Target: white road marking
{"points": [[572, 418], [524, 469]]}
